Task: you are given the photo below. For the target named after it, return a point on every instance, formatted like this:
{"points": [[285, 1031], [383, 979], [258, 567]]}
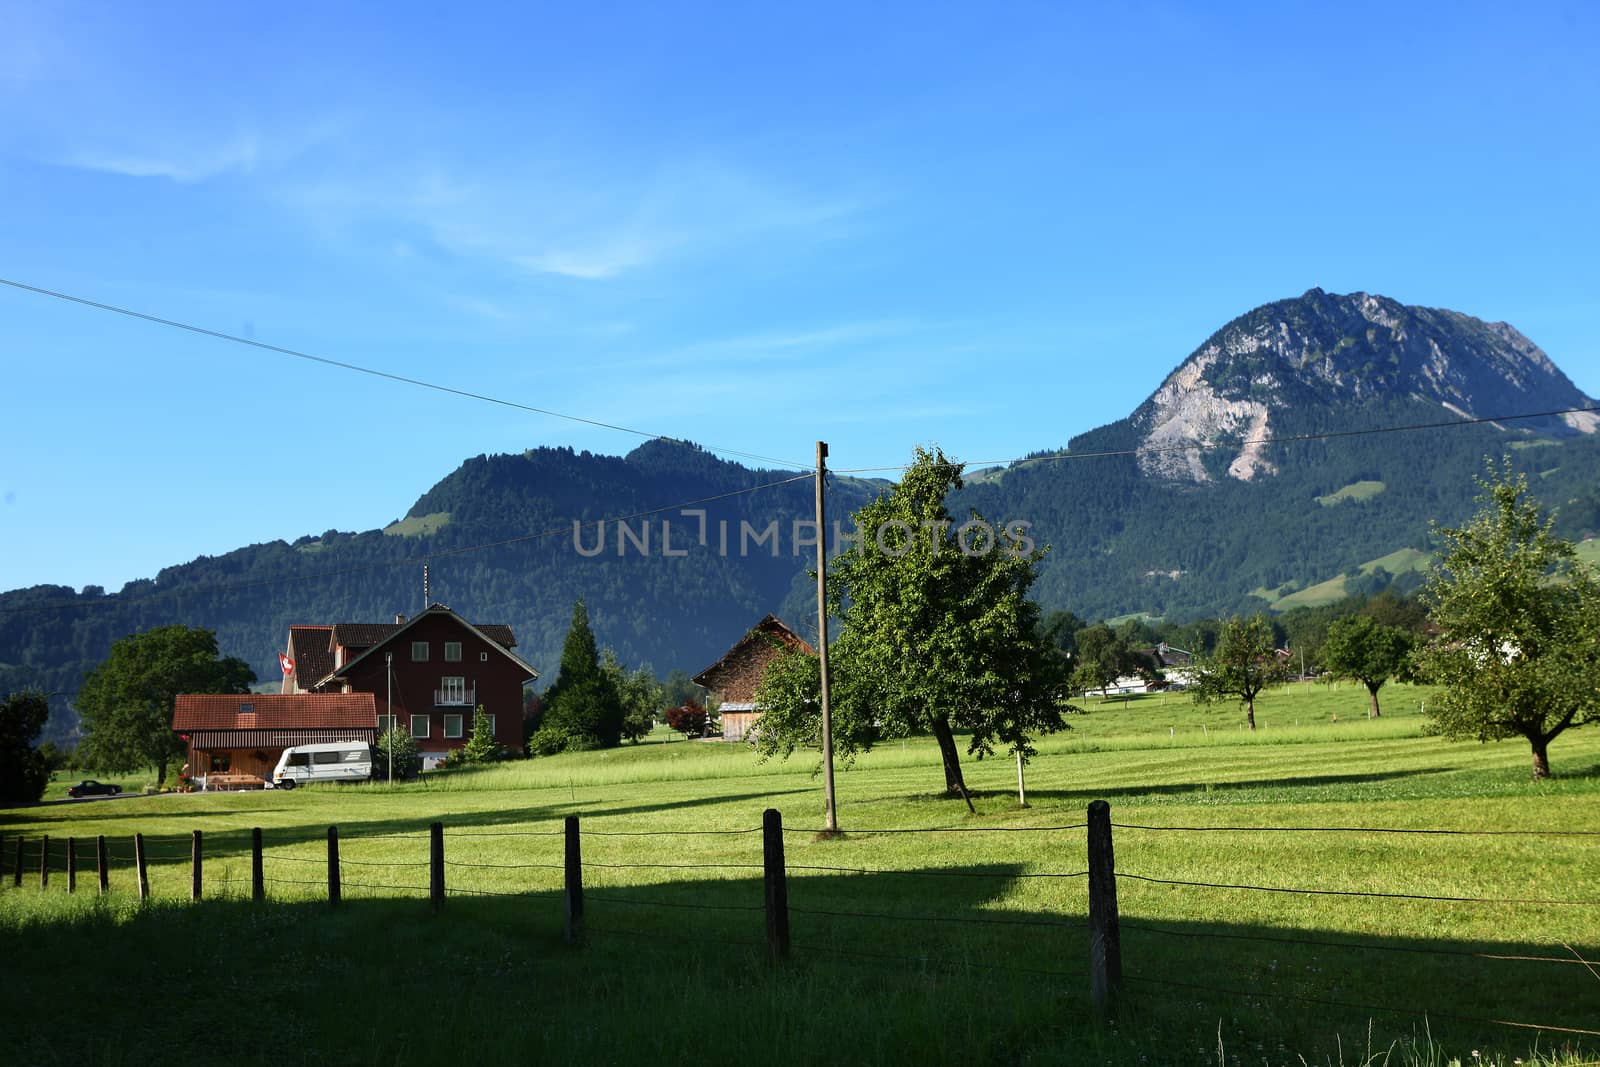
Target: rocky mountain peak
{"points": [[1325, 349]]}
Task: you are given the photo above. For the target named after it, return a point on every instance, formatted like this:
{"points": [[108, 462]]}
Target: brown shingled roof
{"points": [[737, 675], [312, 653], [362, 634], [274, 711]]}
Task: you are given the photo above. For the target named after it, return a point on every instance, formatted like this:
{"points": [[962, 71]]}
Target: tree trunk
{"points": [[954, 785], [161, 770], [1374, 713], [1250, 713], [1541, 757]]}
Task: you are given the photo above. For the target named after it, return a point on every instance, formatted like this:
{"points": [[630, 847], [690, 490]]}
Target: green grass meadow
{"points": [[965, 943]]}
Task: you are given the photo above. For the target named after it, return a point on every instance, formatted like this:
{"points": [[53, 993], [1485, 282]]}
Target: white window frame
{"points": [[448, 736], [486, 715], [452, 689], [426, 719], [385, 724], [419, 647], [455, 647]]}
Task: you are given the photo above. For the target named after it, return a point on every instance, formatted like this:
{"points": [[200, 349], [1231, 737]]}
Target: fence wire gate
{"points": [[540, 869]]}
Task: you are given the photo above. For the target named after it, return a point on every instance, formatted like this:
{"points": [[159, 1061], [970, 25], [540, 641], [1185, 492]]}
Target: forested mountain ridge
{"points": [[1185, 520]]}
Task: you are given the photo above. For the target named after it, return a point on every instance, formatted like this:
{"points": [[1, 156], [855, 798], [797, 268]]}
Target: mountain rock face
{"points": [[1326, 350]]}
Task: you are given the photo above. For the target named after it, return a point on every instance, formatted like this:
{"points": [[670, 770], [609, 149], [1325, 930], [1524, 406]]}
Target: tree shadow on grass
{"points": [[931, 965], [231, 840], [1185, 788]]}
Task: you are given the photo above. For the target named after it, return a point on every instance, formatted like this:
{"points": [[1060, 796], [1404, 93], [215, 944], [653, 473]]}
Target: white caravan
{"points": [[334, 761]]}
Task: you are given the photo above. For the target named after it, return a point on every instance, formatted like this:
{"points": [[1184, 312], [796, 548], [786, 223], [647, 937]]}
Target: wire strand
{"points": [[1358, 892], [1356, 945], [1361, 830], [376, 373]]}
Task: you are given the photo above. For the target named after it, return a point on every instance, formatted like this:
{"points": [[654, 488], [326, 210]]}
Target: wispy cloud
{"points": [[189, 163], [778, 345], [588, 222]]}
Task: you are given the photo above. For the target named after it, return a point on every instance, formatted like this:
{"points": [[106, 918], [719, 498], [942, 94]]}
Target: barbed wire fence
{"points": [[430, 876]]}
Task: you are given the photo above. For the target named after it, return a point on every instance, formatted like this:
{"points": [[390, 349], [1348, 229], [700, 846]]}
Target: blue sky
{"points": [[987, 227]]}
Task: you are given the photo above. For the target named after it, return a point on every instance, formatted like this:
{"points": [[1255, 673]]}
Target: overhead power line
{"points": [[1243, 442], [552, 531], [389, 375]]}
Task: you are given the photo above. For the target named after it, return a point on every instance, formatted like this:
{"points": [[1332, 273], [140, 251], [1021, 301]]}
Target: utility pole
{"points": [[830, 817], [388, 707]]}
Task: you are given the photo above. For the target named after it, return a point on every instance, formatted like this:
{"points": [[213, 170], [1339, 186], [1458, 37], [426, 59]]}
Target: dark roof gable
{"points": [[491, 633]]}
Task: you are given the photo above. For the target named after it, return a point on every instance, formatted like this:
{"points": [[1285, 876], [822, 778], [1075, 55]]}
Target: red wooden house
{"points": [[428, 673]]}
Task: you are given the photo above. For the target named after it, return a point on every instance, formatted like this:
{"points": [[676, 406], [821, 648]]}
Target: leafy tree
{"points": [[639, 692], [24, 772], [1060, 630], [1401, 612], [57, 757], [939, 634], [1362, 648], [1104, 655], [126, 702], [689, 718], [532, 715], [678, 688], [396, 745], [582, 708], [1516, 618], [1244, 663], [481, 747]]}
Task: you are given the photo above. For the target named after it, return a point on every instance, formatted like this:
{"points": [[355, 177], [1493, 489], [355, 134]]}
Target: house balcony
{"points": [[455, 698]]}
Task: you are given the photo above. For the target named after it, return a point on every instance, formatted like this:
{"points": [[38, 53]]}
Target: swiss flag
{"points": [[286, 663]]}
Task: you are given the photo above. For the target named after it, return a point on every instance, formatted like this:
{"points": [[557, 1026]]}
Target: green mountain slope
{"points": [[1181, 510]]}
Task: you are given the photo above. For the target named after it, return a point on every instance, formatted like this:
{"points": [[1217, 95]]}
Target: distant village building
{"points": [[734, 679]]}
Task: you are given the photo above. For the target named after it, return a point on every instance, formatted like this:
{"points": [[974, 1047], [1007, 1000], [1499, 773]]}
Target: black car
{"points": [[91, 788]]}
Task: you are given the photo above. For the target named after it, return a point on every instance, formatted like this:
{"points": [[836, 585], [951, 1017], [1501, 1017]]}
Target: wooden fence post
{"points": [[101, 864], [1105, 938], [333, 866], [44, 863], [574, 873], [436, 865], [196, 864], [16, 868], [72, 865], [775, 881], [258, 881], [144, 871]]}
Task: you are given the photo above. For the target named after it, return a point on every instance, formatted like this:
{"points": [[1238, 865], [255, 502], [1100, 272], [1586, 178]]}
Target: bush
{"points": [[407, 760], [688, 718], [637, 724], [481, 746], [548, 741]]}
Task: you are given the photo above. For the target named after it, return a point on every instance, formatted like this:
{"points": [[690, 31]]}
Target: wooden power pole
{"points": [[830, 818]]}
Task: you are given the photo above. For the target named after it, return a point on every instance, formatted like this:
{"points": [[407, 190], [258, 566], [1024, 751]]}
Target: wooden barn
{"points": [[734, 678]]}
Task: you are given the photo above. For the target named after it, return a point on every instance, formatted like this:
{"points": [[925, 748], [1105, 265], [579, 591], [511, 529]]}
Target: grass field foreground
{"points": [[961, 942]]}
